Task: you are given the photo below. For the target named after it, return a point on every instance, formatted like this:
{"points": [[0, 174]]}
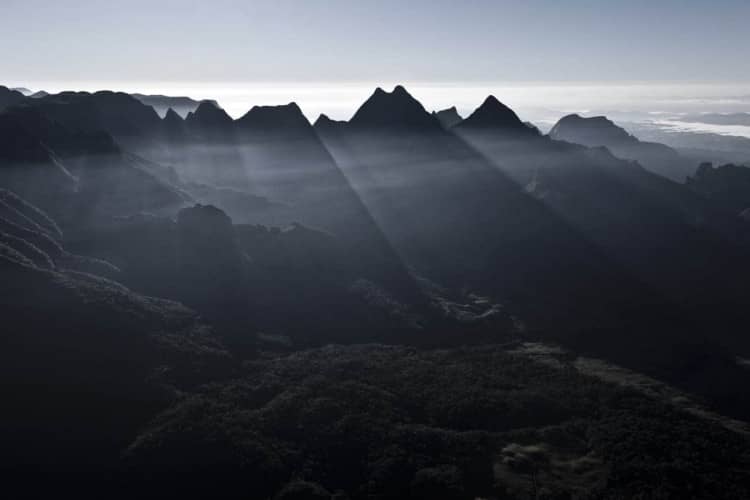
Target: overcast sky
{"points": [[340, 41]]}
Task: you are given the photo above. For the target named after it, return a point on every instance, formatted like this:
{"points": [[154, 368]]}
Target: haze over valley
{"points": [[267, 255]]}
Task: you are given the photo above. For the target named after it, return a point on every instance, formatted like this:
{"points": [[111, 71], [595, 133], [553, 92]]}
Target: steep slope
{"points": [[173, 125], [457, 219], [273, 154], [661, 233]]}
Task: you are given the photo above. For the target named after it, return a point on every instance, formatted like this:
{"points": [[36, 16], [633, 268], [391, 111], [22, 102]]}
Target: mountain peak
{"points": [[172, 115], [448, 117], [491, 100], [281, 118], [400, 90], [594, 131], [325, 124], [397, 109], [323, 119], [209, 114], [172, 120], [493, 114]]}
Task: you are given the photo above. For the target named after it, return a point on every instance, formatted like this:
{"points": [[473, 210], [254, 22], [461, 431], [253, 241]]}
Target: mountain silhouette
{"points": [[494, 115], [326, 124], [727, 186], [448, 117], [416, 179], [209, 117], [162, 103], [286, 120], [173, 125], [595, 131], [396, 109], [403, 305], [115, 113], [599, 131], [9, 97]]}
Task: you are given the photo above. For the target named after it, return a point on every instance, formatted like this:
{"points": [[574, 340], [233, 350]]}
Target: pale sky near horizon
{"points": [[391, 40], [544, 58]]}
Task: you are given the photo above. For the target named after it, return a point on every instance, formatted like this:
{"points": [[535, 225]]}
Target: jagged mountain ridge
{"points": [[396, 109], [162, 103], [513, 225]]}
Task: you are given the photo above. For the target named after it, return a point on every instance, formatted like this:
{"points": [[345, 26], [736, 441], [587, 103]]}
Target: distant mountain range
{"points": [[30, 93], [161, 103], [599, 131], [742, 119]]}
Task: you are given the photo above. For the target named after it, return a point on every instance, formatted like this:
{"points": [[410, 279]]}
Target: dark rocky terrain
{"points": [[403, 305], [727, 186]]}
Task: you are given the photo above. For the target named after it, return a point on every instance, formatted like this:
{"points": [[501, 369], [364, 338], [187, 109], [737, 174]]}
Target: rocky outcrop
{"points": [[448, 117]]}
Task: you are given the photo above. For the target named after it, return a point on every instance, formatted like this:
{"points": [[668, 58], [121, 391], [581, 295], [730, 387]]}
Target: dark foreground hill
{"points": [[727, 186], [85, 361]]}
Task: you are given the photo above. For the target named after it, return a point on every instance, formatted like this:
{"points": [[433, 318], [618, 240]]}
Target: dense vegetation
{"points": [[382, 422]]}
